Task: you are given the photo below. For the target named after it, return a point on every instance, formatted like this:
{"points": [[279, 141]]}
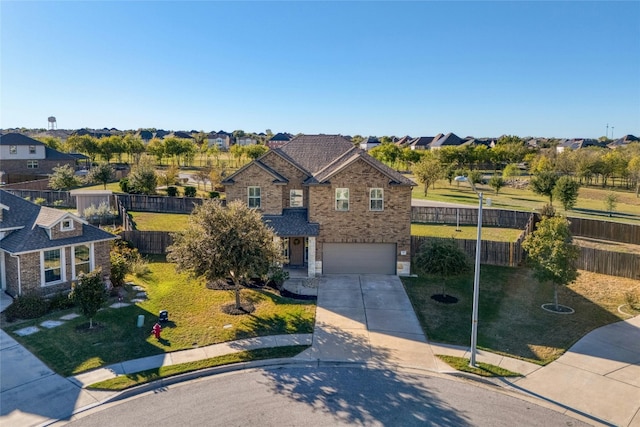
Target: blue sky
{"points": [[555, 69]]}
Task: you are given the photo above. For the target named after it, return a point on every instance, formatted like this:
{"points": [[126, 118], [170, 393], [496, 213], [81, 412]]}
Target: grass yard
{"points": [[150, 221], [591, 200], [510, 319], [495, 234], [195, 316]]}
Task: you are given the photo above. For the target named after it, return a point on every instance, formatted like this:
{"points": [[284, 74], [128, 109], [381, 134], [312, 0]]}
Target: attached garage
{"points": [[359, 258]]}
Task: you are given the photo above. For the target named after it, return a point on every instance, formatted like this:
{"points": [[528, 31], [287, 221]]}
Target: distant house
{"points": [[180, 134], [42, 250], [448, 140], [422, 142], [245, 140], [404, 141], [145, 136], [369, 143], [335, 208], [23, 157], [278, 140], [620, 142], [577, 143], [219, 139]]}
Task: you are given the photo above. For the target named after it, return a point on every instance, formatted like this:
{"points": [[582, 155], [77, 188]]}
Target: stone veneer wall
{"points": [[359, 224]]}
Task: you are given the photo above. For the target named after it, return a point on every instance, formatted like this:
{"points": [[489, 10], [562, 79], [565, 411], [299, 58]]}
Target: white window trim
{"points": [[32, 164], [13, 150], [73, 257], [347, 199], [371, 199], [32, 149], [301, 198], [63, 228], [63, 264], [259, 198]]}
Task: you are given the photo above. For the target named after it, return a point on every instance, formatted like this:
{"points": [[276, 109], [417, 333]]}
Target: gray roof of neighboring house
{"points": [[18, 139], [32, 218], [421, 141], [51, 154], [280, 137], [450, 139], [292, 222]]}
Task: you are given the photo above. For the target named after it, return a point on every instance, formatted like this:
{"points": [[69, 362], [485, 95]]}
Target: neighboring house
{"points": [[278, 140], [180, 134], [404, 141], [335, 208], [369, 143], [448, 140], [42, 250], [577, 143], [243, 141], [422, 142], [220, 140], [21, 155], [621, 142]]}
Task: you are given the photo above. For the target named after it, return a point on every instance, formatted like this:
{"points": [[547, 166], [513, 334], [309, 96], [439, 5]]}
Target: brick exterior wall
{"points": [[57, 233], [292, 173], [255, 176], [359, 224], [44, 166], [11, 274]]}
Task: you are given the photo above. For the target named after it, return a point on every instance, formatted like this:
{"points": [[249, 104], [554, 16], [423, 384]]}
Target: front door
{"points": [[296, 251]]}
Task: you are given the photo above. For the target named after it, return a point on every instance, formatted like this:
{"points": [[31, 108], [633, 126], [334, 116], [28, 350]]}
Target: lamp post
{"points": [[476, 289]]}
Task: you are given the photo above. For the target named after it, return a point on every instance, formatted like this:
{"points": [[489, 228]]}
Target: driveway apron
{"points": [[368, 318]]}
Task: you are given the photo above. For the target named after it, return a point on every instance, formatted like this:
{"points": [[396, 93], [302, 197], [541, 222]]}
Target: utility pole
{"points": [[612, 128], [607, 133]]}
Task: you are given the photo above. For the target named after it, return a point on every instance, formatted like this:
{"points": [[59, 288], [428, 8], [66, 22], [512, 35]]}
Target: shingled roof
{"points": [[30, 221], [18, 139], [314, 152], [292, 222]]}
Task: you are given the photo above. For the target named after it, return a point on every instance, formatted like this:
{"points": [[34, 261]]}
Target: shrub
{"points": [[548, 211], [60, 301], [40, 201], [124, 185], [100, 213], [172, 191], [140, 268], [190, 191], [58, 203], [214, 194], [27, 307], [632, 298]]}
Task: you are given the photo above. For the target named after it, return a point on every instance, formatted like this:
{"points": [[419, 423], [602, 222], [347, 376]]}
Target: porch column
{"points": [[311, 257]]}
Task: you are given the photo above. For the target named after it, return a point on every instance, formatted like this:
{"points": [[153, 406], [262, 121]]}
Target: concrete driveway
{"points": [[368, 318]]}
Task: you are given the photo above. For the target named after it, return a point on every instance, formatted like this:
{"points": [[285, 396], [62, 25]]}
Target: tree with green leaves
{"points": [[143, 178], [427, 171], [444, 258], [254, 151], [566, 191], [610, 202], [133, 146], [83, 144], [511, 171], [543, 183], [89, 294], [387, 153], [101, 174], [220, 243], [551, 253], [63, 178], [633, 169], [156, 148], [496, 182]]}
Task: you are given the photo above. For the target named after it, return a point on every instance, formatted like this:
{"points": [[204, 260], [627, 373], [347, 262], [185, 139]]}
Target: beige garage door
{"points": [[359, 258]]}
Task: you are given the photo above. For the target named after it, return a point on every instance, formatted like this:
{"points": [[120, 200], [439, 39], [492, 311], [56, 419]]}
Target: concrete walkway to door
{"points": [[368, 318]]}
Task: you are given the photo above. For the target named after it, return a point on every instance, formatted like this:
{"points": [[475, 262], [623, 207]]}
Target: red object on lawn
{"points": [[156, 330]]}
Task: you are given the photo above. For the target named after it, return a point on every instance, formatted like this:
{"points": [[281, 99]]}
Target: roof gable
{"points": [[314, 152], [277, 178], [18, 139]]}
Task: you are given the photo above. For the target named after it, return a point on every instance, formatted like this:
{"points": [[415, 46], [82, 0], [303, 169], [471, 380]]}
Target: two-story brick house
{"points": [[42, 250], [336, 208]]}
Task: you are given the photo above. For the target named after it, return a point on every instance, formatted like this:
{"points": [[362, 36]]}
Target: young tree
{"points": [[444, 258], [89, 294], [427, 171], [611, 201], [543, 184], [133, 146], [101, 174], [221, 243], [551, 253], [142, 178], [511, 171], [169, 175], [633, 169], [254, 151], [63, 178], [496, 182], [566, 191]]}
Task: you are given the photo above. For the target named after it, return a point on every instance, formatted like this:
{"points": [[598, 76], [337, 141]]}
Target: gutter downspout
{"points": [[17, 257]]}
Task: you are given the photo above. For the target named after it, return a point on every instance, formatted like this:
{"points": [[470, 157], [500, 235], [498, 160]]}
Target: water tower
{"points": [[52, 123]]}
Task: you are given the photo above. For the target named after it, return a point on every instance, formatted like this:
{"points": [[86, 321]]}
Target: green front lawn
{"points": [[151, 221], [195, 315], [511, 320], [470, 232]]}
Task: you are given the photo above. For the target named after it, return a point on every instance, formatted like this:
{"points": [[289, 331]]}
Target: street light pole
{"points": [[476, 289]]}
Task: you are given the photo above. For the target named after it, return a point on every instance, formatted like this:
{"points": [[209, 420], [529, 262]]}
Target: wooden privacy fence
{"points": [[469, 216], [148, 242], [161, 204], [51, 197], [614, 231], [495, 253], [612, 263]]}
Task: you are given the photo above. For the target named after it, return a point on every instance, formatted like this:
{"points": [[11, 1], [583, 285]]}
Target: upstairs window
{"points": [[32, 164], [253, 199], [376, 199], [13, 149], [32, 149], [295, 198], [342, 199], [66, 225]]}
